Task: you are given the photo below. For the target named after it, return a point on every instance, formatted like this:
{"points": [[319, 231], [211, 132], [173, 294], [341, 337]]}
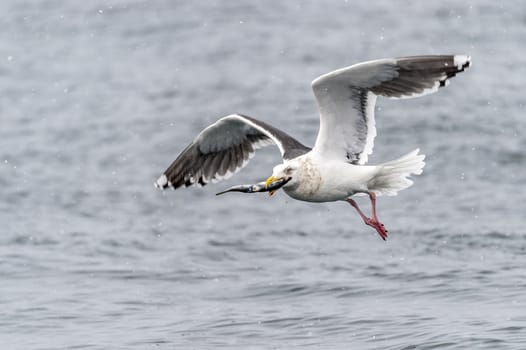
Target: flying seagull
{"points": [[335, 168]]}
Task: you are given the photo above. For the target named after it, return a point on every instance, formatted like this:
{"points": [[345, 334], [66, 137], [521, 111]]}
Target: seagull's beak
{"points": [[269, 181]]}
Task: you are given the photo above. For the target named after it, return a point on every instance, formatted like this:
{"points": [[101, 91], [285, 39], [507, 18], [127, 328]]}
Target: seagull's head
{"points": [[283, 173]]}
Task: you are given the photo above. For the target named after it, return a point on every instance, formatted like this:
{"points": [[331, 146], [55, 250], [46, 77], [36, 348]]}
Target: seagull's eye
{"points": [[288, 171]]}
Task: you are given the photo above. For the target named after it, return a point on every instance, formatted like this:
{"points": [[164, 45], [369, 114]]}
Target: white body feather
{"points": [[318, 180]]}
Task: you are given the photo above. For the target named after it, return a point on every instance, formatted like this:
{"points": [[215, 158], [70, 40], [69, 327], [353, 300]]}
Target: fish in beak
{"points": [[275, 183], [271, 186]]}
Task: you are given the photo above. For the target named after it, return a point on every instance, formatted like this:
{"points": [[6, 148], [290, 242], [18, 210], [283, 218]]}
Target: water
{"points": [[98, 98]]}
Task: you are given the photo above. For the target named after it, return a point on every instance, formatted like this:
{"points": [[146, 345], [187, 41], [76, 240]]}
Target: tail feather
{"points": [[393, 176]]}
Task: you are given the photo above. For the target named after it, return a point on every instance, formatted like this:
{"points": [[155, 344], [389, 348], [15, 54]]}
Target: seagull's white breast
{"points": [[306, 181], [318, 180]]}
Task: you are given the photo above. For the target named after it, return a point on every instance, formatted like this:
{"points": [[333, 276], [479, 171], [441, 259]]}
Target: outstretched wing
{"points": [[223, 148], [346, 98]]}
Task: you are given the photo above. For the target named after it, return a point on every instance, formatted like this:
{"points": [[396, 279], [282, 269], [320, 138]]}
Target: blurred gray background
{"points": [[99, 97]]}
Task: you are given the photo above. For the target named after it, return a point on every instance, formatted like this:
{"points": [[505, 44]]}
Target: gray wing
{"points": [[223, 148], [347, 97]]}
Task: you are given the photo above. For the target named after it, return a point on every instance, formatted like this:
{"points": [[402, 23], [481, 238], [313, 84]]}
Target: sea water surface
{"points": [[98, 97]]}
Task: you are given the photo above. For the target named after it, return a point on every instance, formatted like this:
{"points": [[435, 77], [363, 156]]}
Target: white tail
{"points": [[393, 176]]}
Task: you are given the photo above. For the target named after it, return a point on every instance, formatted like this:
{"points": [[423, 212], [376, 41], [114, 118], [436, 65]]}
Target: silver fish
{"points": [[259, 187]]}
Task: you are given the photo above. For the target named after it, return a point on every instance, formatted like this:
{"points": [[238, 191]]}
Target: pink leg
{"points": [[373, 222], [372, 196]]}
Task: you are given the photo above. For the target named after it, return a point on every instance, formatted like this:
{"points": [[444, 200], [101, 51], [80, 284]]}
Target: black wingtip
{"points": [[462, 62], [162, 182]]}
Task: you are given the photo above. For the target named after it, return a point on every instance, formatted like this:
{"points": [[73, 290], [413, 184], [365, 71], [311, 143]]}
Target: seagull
{"points": [[336, 168]]}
